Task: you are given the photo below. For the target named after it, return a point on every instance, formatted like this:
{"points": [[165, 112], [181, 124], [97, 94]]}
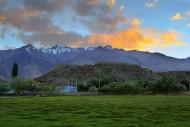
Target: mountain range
{"points": [[34, 62]]}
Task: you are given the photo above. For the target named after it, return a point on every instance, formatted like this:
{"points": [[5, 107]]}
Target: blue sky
{"points": [[147, 25]]}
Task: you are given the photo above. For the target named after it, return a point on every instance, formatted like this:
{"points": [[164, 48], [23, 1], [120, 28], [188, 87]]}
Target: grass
{"points": [[95, 111]]}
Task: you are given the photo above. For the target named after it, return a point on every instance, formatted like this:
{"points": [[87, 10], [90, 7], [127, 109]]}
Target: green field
{"points": [[95, 111]]}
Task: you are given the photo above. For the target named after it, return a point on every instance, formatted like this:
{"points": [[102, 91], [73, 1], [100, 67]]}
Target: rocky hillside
{"points": [[62, 74]]}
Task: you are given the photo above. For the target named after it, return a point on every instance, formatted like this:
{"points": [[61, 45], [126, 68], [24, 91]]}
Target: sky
{"points": [[146, 25]]}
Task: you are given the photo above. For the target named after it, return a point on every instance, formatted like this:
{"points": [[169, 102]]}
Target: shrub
{"points": [[18, 85], [44, 88], [92, 89], [177, 87], [31, 86], [3, 88], [82, 87], [104, 89], [129, 87], [186, 83]]}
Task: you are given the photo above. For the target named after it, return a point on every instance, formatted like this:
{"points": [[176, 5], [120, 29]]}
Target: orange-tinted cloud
{"points": [[121, 8], [2, 19], [111, 3], [137, 38], [171, 38], [31, 13], [127, 39], [135, 21], [177, 16]]}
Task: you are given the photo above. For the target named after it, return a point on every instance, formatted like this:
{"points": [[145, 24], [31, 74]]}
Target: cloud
{"points": [[94, 2], [103, 23], [47, 6], [51, 39], [188, 13], [2, 3], [3, 31], [188, 25], [111, 3], [171, 38], [177, 16], [28, 21], [36, 17], [2, 19], [121, 8], [99, 18], [86, 7], [151, 4], [135, 21], [113, 21], [30, 18], [128, 39], [138, 38]]}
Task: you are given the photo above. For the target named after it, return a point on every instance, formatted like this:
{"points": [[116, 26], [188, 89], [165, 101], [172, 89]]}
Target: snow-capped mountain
{"points": [[57, 49], [34, 62]]}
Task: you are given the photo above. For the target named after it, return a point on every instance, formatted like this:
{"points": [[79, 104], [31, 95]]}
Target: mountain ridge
{"points": [[34, 62]]}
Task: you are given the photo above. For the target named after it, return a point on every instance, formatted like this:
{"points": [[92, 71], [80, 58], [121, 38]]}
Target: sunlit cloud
{"points": [[177, 16], [111, 3], [138, 38], [171, 38], [135, 21], [151, 4], [128, 39], [188, 25], [104, 23], [121, 8]]}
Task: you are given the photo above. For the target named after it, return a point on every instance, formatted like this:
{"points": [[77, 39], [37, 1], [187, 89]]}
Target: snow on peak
{"points": [[29, 48], [57, 49], [90, 48]]}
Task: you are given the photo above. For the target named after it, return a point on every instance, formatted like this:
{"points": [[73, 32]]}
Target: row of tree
{"points": [[21, 86], [110, 85]]}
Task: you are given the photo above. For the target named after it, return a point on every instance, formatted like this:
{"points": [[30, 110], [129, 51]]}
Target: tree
{"points": [[186, 83], [15, 70], [18, 85], [3, 88], [93, 89]]}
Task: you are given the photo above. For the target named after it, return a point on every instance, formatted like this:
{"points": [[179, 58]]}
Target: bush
{"points": [[130, 87], [104, 89], [177, 87], [4, 88], [92, 89], [31, 86], [186, 83], [22, 86], [44, 88], [18, 85], [166, 86]]}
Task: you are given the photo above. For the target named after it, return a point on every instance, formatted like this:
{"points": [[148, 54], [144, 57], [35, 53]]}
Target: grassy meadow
{"points": [[95, 111]]}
